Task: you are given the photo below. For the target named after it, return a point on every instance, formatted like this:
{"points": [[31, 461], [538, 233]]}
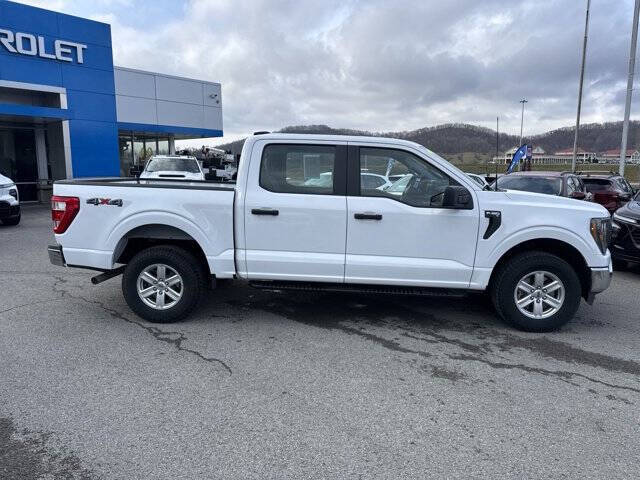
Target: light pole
{"points": [[584, 54], [627, 105], [523, 101]]}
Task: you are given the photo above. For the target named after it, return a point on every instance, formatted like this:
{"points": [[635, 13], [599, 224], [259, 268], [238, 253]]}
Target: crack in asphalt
{"points": [[16, 307], [326, 313], [560, 374], [174, 339]]}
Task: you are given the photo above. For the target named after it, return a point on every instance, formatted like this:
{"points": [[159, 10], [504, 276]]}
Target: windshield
{"points": [[173, 165], [548, 185]]}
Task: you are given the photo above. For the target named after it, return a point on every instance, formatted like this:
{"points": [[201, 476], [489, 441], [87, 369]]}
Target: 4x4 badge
{"points": [[104, 201]]}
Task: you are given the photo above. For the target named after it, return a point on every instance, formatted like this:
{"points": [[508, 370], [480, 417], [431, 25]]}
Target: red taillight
{"points": [[63, 211]]}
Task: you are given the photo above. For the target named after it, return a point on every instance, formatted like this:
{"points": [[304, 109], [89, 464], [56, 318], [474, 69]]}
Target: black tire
{"points": [[507, 277], [11, 221], [184, 263]]}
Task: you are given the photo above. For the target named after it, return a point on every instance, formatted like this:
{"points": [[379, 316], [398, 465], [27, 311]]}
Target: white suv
{"points": [[9, 202]]}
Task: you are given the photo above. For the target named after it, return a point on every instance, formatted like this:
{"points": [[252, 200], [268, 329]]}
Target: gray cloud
{"points": [[389, 65]]}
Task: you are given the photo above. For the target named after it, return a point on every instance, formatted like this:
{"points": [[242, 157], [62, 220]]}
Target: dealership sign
{"points": [[28, 44]]}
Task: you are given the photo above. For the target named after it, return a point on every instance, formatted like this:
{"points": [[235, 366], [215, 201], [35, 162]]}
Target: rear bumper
{"points": [[56, 257]]}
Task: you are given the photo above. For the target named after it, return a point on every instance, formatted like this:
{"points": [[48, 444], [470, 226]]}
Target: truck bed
{"points": [[113, 209]]}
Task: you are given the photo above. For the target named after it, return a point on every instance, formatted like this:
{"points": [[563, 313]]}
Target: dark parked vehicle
{"points": [[562, 184], [610, 190], [625, 239]]}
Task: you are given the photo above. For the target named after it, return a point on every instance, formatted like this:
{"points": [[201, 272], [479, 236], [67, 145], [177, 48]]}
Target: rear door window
{"points": [[298, 169]]}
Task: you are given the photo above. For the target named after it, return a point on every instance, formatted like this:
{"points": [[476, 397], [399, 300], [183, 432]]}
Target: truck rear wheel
{"points": [[536, 292], [163, 284]]}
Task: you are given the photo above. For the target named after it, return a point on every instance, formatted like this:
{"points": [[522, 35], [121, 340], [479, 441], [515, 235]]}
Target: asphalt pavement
{"points": [[288, 385]]}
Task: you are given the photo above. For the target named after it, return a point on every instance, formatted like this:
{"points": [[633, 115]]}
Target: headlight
{"points": [[600, 229], [13, 191], [621, 218]]}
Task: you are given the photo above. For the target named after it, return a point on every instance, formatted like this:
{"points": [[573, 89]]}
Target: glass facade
{"points": [[136, 149]]}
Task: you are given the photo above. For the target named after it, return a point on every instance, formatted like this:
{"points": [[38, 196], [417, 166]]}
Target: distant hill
{"points": [[457, 138]]}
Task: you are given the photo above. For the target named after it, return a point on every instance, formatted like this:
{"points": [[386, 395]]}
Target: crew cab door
{"points": [[400, 234], [295, 212]]}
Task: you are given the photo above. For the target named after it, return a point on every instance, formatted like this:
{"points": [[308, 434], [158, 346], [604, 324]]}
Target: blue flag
{"points": [[519, 155]]}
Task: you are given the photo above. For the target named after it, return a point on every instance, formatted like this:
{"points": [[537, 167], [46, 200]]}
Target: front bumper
{"points": [[56, 257], [600, 281], [8, 210]]}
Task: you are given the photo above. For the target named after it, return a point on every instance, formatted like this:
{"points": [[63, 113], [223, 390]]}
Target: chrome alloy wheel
{"points": [[539, 294], [160, 286]]}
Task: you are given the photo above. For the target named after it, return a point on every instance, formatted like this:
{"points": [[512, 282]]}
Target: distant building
{"points": [[613, 156], [582, 156], [540, 157]]}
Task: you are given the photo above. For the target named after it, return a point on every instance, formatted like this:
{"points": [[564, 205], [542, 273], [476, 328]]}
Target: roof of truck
{"points": [[333, 138]]}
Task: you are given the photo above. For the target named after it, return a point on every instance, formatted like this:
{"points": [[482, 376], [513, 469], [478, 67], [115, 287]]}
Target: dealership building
{"points": [[66, 111]]}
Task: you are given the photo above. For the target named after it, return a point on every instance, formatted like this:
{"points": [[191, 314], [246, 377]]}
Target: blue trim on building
{"points": [[89, 86], [150, 128], [31, 111]]}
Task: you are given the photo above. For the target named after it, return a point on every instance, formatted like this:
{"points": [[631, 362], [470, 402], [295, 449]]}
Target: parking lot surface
{"points": [[289, 385]]}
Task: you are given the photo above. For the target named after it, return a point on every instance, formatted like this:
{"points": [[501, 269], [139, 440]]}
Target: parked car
{"points": [[173, 166], [9, 202], [374, 180], [610, 190], [562, 184], [625, 239], [441, 233], [479, 179]]}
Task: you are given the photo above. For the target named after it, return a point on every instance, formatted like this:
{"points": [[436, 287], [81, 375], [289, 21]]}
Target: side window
{"points": [[298, 169], [571, 185], [623, 185], [415, 182], [580, 185]]}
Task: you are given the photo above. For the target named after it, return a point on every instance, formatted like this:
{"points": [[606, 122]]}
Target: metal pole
{"points": [[584, 54], [497, 148], [627, 105], [523, 101]]}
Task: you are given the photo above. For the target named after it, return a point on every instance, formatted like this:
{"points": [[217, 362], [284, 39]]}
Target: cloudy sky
{"points": [[381, 65]]}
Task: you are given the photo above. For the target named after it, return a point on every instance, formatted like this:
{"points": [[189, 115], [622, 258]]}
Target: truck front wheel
{"points": [[163, 284], [536, 292]]}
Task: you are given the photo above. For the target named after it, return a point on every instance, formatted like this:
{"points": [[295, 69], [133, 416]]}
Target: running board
{"points": [[358, 288]]}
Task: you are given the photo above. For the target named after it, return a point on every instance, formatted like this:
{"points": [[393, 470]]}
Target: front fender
{"points": [[590, 253]]}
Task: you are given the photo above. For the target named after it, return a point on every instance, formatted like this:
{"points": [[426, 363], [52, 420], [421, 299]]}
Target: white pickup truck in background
{"points": [[301, 217]]}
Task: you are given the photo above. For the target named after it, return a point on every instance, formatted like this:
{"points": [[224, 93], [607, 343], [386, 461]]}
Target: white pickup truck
{"points": [[300, 217]]}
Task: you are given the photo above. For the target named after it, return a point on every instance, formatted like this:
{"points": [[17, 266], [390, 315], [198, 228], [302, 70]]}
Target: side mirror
{"points": [[578, 195], [135, 170], [457, 197]]}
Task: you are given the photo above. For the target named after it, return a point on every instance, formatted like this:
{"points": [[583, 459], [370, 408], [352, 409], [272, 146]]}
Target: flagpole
{"points": [[584, 53], [627, 105], [497, 148]]}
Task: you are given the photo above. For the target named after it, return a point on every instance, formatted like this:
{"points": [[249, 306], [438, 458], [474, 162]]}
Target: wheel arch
{"points": [[153, 234], [553, 246]]}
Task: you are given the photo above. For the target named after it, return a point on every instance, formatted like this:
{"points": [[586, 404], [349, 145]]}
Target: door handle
{"points": [[367, 216], [265, 211]]}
